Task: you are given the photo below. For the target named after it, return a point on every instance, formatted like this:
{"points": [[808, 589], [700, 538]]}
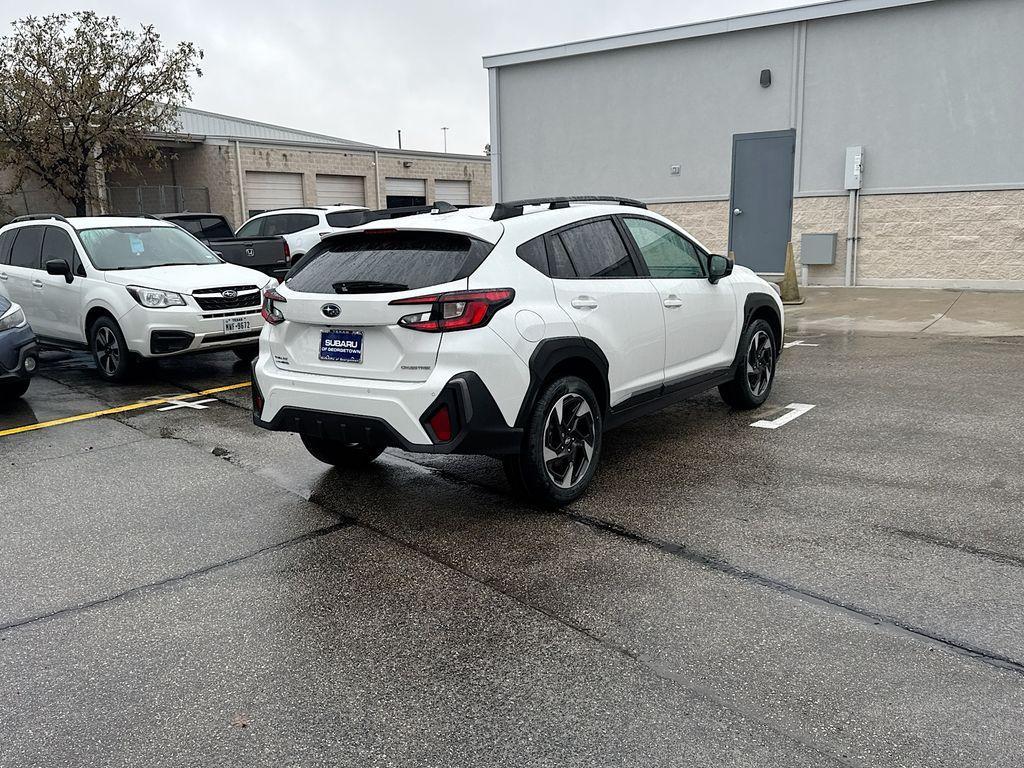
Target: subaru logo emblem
{"points": [[330, 310], [250, 252], [229, 293]]}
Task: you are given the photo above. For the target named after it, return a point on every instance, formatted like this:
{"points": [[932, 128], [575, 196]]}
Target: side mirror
{"points": [[59, 267], [718, 267]]}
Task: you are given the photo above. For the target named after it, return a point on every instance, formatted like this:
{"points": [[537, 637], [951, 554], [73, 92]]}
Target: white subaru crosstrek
{"points": [[128, 287], [302, 228], [522, 330]]}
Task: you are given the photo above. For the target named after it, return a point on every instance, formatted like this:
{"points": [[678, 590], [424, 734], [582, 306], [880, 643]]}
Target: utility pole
{"points": [[399, 138], [444, 132]]}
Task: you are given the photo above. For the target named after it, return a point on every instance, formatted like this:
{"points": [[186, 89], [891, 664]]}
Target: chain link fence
{"points": [[127, 201], [161, 199], [25, 201]]}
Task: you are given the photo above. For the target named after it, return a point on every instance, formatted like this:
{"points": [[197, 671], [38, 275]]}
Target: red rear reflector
{"points": [[455, 311], [441, 423]]}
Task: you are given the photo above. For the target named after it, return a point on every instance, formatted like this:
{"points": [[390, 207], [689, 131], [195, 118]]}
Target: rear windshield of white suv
{"points": [[143, 247], [382, 262]]}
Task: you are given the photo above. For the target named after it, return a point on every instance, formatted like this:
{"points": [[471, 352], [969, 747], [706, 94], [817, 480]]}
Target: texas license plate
{"points": [[341, 346], [236, 324]]}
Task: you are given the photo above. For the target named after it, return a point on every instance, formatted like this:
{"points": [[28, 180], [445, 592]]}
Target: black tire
{"points": [[565, 475], [11, 390], [339, 454], [755, 372], [247, 353], [114, 361]]}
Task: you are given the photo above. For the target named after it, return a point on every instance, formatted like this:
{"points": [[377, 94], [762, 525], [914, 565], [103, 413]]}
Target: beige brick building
{"points": [[237, 167]]}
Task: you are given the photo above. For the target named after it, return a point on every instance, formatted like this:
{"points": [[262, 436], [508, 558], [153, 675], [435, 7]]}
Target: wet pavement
{"points": [[182, 589]]}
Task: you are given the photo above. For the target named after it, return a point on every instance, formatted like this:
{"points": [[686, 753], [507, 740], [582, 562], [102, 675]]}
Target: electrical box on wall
{"points": [[854, 167], [818, 248]]}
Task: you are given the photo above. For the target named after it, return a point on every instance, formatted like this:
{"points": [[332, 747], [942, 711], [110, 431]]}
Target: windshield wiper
{"points": [[367, 286]]}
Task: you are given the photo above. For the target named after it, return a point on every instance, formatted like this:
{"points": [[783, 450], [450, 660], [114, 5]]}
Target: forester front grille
{"points": [[238, 297]]}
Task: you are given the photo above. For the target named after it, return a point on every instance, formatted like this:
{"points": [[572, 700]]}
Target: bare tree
{"points": [[79, 91]]}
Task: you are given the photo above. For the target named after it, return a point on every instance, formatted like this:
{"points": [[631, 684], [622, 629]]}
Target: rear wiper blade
{"points": [[367, 286]]}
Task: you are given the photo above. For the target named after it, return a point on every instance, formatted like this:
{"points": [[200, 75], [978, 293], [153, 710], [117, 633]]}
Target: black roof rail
{"points": [[513, 208], [125, 216], [39, 217]]}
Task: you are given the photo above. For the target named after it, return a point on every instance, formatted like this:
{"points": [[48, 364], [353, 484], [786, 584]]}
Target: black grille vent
{"points": [[214, 298]]}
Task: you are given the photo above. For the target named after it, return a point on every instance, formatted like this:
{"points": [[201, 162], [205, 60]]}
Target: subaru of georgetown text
{"points": [[523, 331]]}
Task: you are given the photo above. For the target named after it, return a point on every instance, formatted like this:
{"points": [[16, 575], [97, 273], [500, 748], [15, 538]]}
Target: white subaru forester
{"points": [[522, 330], [128, 287]]}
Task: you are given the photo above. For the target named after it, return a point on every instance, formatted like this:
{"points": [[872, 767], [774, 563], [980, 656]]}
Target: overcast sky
{"points": [[362, 70]]}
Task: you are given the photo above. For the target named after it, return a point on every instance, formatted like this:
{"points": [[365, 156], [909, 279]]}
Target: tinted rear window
{"points": [[209, 227], [347, 218], [387, 262]]}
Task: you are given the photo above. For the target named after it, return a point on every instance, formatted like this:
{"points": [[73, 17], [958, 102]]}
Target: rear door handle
{"points": [[584, 302], [37, 283], [673, 301]]}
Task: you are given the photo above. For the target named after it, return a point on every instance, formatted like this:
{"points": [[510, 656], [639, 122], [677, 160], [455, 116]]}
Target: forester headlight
{"points": [[14, 318], [151, 298]]}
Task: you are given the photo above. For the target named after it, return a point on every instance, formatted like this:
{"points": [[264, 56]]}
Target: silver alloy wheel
{"points": [[108, 351], [569, 435], [760, 362]]}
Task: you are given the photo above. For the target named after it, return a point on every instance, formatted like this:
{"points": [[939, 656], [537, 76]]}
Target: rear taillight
{"points": [[455, 311], [270, 311], [287, 253]]}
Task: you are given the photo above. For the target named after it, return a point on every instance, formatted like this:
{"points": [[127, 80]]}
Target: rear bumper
{"points": [[386, 414]]}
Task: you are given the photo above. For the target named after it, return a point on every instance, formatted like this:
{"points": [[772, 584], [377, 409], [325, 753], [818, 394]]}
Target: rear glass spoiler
{"points": [[356, 218]]}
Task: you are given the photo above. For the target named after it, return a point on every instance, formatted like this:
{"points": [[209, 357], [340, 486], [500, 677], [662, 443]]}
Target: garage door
{"points": [[403, 192], [340, 190], [265, 191], [454, 192]]}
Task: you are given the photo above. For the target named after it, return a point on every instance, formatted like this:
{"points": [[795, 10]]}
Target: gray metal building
{"points": [[894, 125]]}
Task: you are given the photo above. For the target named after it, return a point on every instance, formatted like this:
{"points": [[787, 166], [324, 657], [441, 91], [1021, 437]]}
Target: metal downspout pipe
{"points": [[241, 181], [852, 236]]}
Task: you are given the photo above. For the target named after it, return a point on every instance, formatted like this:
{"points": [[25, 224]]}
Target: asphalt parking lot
{"points": [[180, 588]]}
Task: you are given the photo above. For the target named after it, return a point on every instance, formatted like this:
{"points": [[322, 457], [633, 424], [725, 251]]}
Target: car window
{"points": [[27, 245], [347, 218], [596, 250], [666, 253], [143, 247], [287, 223], [251, 228], [299, 221], [534, 253], [57, 244], [558, 258], [385, 262], [214, 228], [6, 241]]}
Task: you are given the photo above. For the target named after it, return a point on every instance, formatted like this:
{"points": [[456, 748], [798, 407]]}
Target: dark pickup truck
{"points": [[267, 254]]}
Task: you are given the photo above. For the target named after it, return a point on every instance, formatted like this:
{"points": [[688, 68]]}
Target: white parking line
{"points": [[795, 410], [797, 343], [196, 404]]}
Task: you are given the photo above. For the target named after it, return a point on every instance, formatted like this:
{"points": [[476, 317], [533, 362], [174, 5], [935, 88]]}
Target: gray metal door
{"points": [[761, 201]]}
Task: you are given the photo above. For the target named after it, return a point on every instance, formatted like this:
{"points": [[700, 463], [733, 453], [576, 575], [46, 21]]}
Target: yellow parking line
{"points": [[119, 409]]}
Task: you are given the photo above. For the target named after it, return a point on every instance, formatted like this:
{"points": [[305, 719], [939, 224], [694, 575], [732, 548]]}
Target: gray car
{"points": [[19, 352]]}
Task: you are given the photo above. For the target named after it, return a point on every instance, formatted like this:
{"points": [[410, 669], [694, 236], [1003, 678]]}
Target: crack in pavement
{"points": [[878, 621], [997, 557], [173, 581], [654, 669]]}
